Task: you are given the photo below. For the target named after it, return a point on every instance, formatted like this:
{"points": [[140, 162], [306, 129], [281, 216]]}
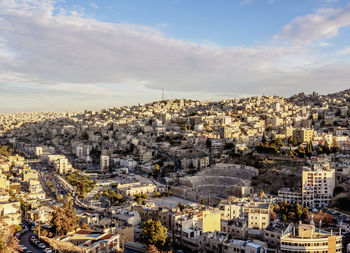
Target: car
{"points": [[24, 248], [42, 246], [47, 250]]}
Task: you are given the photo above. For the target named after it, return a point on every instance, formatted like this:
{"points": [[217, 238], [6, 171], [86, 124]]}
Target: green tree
{"points": [[309, 149], [154, 233], [261, 194], [335, 146], [180, 206], [264, 139], [284, 218], [292, 141], [326, 148], [298, 211], [60, 198], [208, 143], [156, 171], [301, 151]]}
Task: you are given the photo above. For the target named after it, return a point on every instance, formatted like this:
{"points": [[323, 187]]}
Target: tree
{"points": [[180, 206], [156, 171], [154, 233], [292, 141], [8, 242], [60, 198], [301, 151], [298, 211], [208, 143], [335, 146], [273, 214], [261, 194], [326, 148], [264, 139], [309, 149], [284, 218], [85, 226], [64, 219], [152, 249]]}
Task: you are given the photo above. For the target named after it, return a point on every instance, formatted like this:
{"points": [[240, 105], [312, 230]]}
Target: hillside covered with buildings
{"points": [[256, 174]]}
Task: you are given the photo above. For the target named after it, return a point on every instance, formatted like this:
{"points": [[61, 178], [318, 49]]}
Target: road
{"points": [[25, 240]]}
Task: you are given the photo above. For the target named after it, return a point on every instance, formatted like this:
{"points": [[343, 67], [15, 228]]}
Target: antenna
{"points": [[163, 97]]}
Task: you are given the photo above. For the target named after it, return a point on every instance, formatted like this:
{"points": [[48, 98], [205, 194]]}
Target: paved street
{"points": [[25, 240]]}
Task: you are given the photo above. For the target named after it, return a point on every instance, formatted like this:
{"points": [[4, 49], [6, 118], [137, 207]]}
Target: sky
{"points": [[72, 55]]}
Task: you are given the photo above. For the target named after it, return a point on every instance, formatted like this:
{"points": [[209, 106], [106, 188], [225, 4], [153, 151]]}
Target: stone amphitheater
{"points": [[215, 181]]}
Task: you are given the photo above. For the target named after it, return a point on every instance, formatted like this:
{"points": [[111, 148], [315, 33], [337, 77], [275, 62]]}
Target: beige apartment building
{"points": [[317, 186], [60, 163], [303, 135], [256, 213]]}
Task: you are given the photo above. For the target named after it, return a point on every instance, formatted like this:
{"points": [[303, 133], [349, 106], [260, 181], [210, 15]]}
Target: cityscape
{"points": [[186, 144]]}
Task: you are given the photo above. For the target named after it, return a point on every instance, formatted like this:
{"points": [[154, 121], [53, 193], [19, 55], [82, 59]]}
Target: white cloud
{"points": [[67, 52], [324, 44], [323, 24], [344, 51], [93, 5]]}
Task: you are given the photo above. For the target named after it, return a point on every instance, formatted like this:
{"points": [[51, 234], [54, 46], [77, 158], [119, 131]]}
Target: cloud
{"points": [[67, 52], [93, 5], [323, 24], [344, 51], [324, 44]]}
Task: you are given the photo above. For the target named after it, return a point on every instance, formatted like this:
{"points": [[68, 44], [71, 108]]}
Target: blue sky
{"points": [[76, 55], [225, 23]]}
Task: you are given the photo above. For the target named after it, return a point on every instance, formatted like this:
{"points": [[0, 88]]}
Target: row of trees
{"points": [[271, 147], [288, 211], [140, 198], [82, 183], [295, 213], [114, 198], [162, 194]]}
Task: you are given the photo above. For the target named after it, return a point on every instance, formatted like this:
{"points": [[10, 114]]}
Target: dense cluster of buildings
{"points": [[135, 157]]}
